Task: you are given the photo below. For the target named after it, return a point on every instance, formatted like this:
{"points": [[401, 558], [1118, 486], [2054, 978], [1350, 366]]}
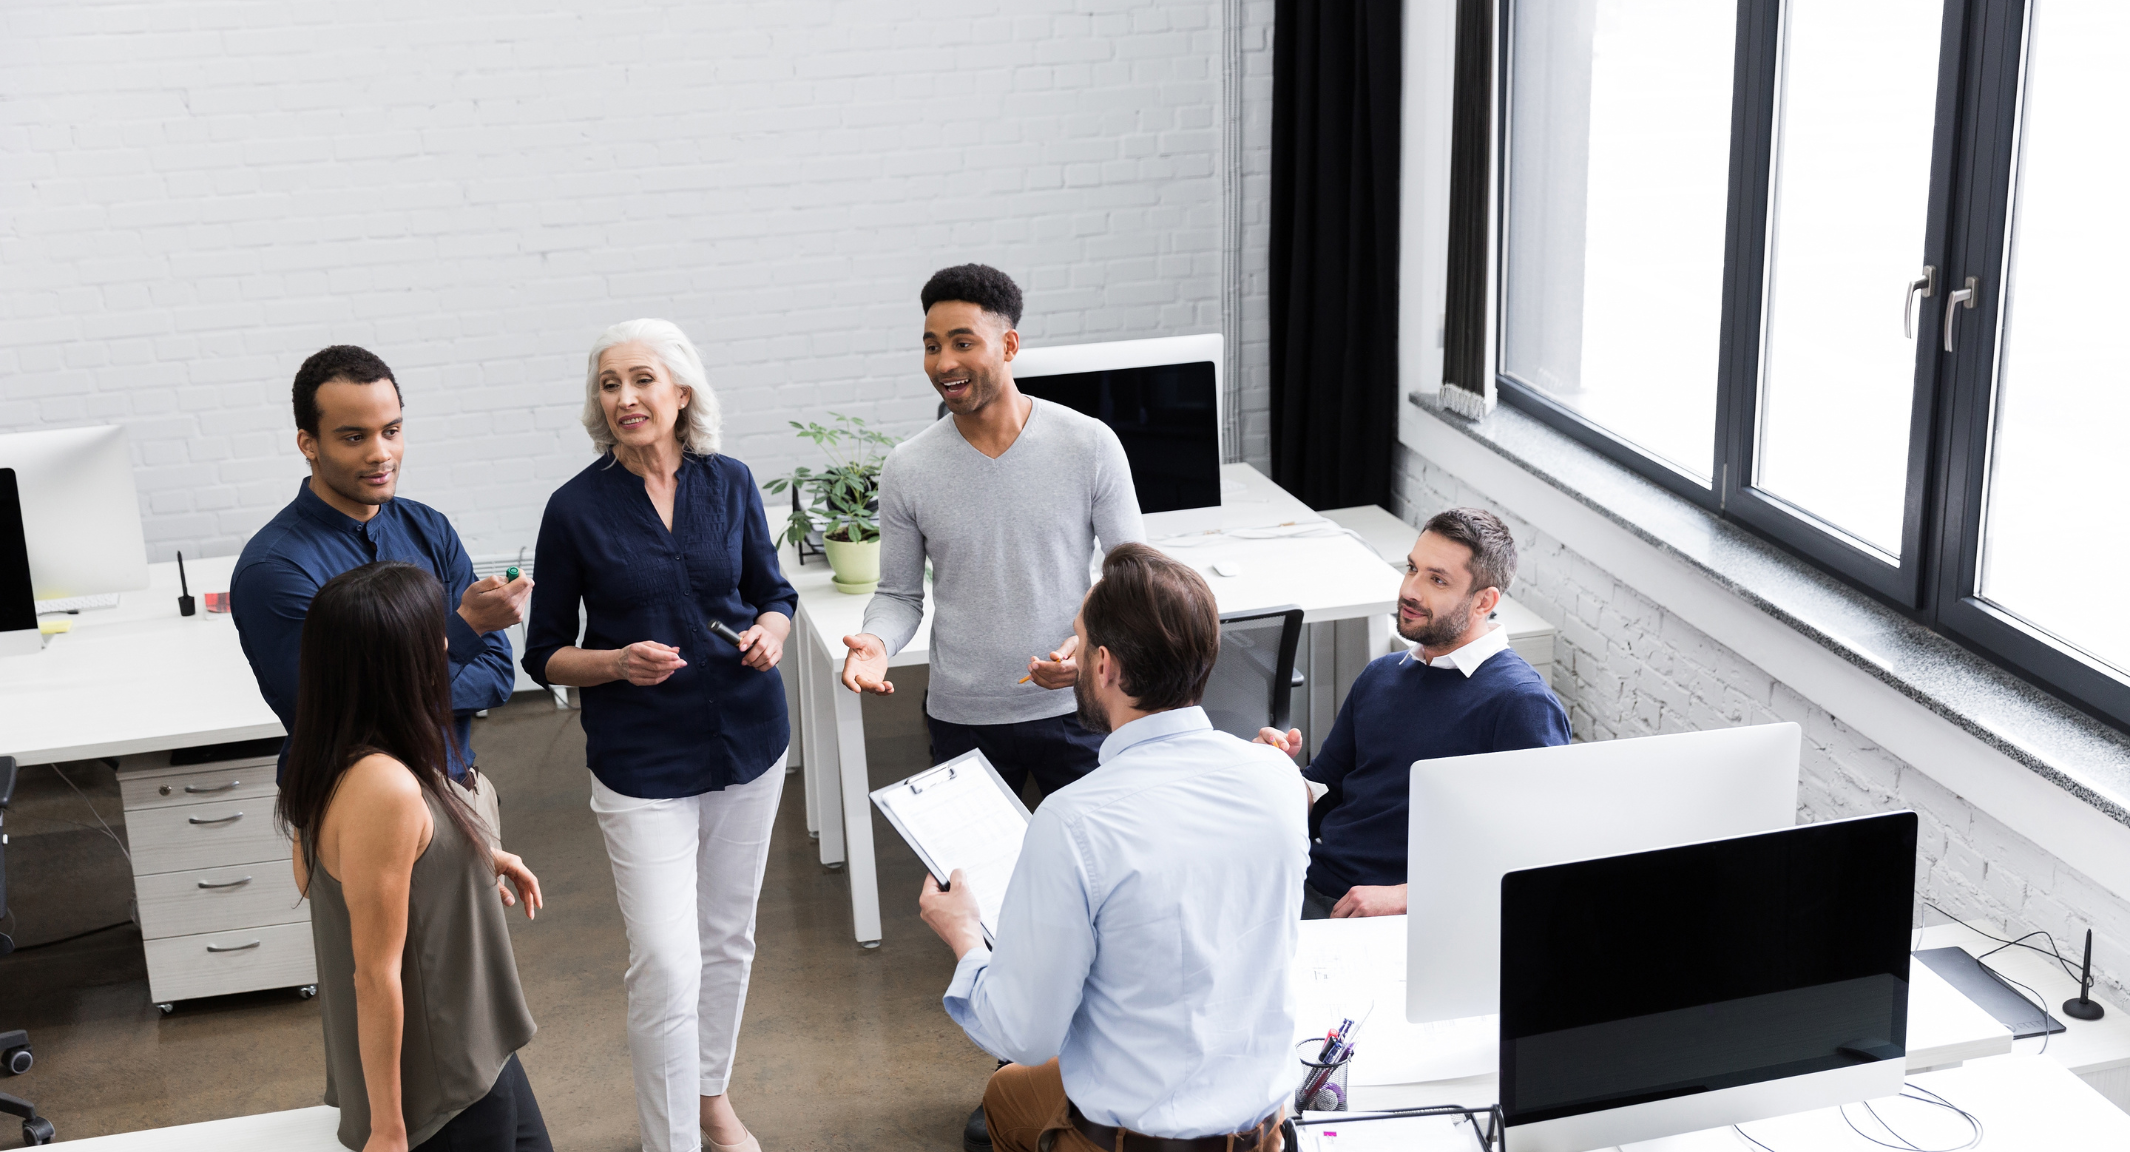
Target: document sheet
{"points": [[960, 814]]}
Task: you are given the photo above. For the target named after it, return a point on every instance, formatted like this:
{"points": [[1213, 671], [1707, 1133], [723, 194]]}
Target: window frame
{"points": [[1981, 73]]}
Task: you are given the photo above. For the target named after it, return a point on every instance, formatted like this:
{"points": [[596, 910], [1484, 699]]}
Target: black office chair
{"points": [[1253, 681], [15, 1053]]}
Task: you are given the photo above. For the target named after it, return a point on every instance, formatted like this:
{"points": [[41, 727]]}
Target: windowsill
{"points": [[2065, 746]]}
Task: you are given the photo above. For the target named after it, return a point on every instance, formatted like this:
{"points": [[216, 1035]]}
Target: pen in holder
{"points": [[1323, 1077]]}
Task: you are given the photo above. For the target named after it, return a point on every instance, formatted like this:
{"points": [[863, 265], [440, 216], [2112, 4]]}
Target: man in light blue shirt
{"points": [[1140, 980]]}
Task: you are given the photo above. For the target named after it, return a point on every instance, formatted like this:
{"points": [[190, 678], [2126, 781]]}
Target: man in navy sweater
{"points": [[1462, 691]]}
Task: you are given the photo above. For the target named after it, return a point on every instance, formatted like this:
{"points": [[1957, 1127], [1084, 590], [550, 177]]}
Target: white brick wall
{"points": [[194, 197], [1625, 666]]}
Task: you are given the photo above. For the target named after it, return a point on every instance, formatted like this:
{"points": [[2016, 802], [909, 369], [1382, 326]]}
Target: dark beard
{"points": [[1441, 631], [1091, 715]]}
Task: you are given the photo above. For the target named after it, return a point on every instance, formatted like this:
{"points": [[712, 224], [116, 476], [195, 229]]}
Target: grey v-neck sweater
{"points": [[1009, 541]]}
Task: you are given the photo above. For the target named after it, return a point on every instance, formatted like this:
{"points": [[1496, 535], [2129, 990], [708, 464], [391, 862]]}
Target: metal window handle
{"points": [[225, 883], [232, 947], [196, 790], [1927, 285], [1961, 298], [216, 820]]}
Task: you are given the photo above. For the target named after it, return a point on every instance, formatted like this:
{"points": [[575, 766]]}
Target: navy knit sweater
{"points": [[1399, 711]]}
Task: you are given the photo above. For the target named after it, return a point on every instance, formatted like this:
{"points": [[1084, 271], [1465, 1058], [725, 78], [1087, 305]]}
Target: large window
{"points": [[1836, 269]]}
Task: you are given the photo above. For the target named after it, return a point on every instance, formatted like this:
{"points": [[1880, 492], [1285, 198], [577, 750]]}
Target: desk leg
{"points": [[800, 647], [824, 766], [857, 818]]}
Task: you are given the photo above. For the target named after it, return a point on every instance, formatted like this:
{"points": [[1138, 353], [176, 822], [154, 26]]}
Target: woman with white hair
{"points": [[661, 540]]}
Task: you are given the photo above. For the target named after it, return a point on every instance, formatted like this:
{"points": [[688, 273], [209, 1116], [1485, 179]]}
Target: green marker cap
{"points": [[511, 574]]}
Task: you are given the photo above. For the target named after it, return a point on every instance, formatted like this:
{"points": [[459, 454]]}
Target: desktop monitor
{"points": [[1162, 398], [18, 610], [81, 515], [1692, 987], [1474, 818]]}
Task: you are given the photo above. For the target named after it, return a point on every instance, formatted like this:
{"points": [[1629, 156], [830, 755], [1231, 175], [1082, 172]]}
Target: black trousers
{"points": [[1055, 749], [505, 1120], [1316, 905]]}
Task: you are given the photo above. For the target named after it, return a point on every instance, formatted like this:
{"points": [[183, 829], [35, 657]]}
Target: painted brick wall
{"points": [[1624, 666], [194, 197]]}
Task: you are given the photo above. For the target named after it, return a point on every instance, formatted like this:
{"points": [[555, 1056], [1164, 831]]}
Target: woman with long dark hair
{"points": [[422, 1008]]}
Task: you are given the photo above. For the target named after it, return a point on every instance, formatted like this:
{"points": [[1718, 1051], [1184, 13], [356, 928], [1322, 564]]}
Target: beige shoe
{"points": [[750, 1144]]}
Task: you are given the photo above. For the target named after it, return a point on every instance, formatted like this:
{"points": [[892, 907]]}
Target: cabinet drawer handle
{"points": [[232, 947], [216, 820], [196, 790], [225, 883]]}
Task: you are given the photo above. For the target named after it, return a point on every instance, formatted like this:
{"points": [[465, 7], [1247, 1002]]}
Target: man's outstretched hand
{"points": [[1060, 669], [492, 604], [1289, 742], [865, 669]]}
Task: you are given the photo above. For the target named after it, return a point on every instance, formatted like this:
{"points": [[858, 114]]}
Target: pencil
{"points": [[1025, 679]]}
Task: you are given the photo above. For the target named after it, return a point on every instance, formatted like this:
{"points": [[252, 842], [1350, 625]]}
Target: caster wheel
{"points": [[868, 945], [18, 1060], [166, 1009], [306, 992], [37, 1132]]}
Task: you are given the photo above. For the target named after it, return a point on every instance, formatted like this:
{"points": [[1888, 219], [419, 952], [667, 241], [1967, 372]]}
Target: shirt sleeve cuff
{"points": [[466, 644], [963, 985]]}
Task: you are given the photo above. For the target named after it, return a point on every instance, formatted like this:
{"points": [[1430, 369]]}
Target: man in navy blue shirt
{"points": [[1461, 692], [348, 426]]}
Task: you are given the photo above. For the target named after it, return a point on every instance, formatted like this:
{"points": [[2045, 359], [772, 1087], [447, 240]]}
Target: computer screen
{"points": [[1697, 969], [1166, 415]]}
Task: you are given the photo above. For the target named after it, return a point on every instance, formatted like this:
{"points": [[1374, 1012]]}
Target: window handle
{"points": [[1962, 298], [1927, 284]]}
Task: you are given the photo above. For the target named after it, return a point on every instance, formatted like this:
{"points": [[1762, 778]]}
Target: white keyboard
{"points": [[78, 603]]}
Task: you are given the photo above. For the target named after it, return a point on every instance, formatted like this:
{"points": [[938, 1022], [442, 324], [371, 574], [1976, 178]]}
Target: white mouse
{"points": [[1227, 568]]}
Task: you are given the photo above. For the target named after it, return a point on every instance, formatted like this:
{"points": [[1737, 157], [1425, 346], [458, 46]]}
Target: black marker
{"points": [[184, 600], [722, 631]]}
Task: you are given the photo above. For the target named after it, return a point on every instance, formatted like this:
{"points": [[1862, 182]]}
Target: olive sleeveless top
{"points": [[465, 1013]]}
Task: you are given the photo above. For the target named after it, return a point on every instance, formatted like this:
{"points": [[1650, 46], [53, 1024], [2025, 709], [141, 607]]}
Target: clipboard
{"points": [[961, 814]]}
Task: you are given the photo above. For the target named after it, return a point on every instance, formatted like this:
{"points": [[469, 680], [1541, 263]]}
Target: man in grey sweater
{"points": [[1007, 499]]}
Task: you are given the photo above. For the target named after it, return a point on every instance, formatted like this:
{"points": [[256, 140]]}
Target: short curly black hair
{"points": [[978, 284], [339, 362]]}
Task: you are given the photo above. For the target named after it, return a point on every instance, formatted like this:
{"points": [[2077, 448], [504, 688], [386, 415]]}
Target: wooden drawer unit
{"points": [[217, 904], [219, 899], [218, 963]]}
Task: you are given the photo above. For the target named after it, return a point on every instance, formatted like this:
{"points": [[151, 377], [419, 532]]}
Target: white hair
{"points": [[698, 424]]}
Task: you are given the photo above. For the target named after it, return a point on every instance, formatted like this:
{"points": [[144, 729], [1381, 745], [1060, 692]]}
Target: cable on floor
{"points": [[93, 812]]}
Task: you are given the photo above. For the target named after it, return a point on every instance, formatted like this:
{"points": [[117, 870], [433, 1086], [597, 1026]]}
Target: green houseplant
{"points": [[841, 501]]}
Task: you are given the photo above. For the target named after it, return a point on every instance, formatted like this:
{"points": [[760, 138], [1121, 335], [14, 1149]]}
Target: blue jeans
{"points": [[1055, 749]]}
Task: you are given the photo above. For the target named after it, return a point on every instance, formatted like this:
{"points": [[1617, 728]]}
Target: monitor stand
{"points": [[19, 635]]}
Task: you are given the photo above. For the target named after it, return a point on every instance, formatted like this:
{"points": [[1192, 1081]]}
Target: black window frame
{"points": [[1981, 76]]}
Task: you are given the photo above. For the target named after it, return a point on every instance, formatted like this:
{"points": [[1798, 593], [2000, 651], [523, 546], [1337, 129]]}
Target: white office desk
{"points": [[315, 1129], [135, 678], [2098, 1051], [1329, 577], [1357, 967]]}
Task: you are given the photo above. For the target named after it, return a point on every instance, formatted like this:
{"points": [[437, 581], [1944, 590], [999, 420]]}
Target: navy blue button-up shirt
{"points": [[308, 543], [714, 723]]}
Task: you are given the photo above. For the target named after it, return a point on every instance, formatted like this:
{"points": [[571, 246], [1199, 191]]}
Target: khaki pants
{"points": [[1024, 1105]]}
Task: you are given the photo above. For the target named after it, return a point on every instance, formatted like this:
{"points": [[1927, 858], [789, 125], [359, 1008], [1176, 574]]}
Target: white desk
{"points": [[135, 678], [296, 1130], [1330, 578], [2098, 1051]]}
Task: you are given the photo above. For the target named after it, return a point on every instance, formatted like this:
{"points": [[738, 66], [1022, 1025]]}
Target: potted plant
{"points": [[842, 501]]}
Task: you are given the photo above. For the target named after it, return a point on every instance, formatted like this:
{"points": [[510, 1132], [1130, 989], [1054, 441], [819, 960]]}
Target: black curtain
{"points": [[1464, 334], [1336, 79]]}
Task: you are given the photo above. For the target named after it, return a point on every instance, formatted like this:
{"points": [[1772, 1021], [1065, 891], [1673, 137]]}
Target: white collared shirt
{"points": [[1468, 658], [1149, 930]]}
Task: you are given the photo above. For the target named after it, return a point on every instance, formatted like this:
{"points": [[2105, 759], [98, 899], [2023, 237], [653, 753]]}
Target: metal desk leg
{"points": [[823, 768], [801, 670], [857, 818]]}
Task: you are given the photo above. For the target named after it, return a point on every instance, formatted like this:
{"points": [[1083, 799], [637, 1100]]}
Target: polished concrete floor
{"points": [[842, 1047]]}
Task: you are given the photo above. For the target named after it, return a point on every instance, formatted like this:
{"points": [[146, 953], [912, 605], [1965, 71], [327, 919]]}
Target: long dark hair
{"points": [[372, 677]]}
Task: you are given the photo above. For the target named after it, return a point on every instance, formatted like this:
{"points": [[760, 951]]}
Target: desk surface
{"points": [[135, 678], [2084, 1046], [313, 1129]]}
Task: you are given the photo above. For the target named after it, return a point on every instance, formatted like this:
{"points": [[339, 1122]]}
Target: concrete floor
{"points": [[842, 1047]]}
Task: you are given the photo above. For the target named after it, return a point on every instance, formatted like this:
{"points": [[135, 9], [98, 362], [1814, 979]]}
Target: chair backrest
{"points": [[1253, 679]]}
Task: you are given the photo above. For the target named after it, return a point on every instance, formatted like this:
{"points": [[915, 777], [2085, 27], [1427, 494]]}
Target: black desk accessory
{"points": [[18, 603], [2082, 1006], [723, 631], [184, 600], [1980, 983]]}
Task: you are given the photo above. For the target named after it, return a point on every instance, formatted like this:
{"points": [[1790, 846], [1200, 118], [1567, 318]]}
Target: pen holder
{"points": [[1322, 1087]]}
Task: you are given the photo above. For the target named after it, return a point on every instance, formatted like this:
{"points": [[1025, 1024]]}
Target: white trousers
{"points": [[687, 873]]}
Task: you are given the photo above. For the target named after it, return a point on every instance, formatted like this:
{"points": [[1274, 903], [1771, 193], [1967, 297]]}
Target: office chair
{"points": [[1253, 681], [15, 1046]]}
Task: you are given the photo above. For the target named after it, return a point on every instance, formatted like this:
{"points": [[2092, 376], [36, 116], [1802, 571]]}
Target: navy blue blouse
{"points": [[714, 723]]}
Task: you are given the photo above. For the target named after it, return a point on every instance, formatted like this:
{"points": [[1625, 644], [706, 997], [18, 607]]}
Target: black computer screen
{"points": [[1659, 974], [18, 609], [1168, 417]]}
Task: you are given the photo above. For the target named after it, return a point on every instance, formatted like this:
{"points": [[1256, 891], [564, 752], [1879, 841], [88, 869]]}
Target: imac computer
{"points": [[19, 635], [1692, 987], [81, 516], [1476, 817], [1162, 397]]}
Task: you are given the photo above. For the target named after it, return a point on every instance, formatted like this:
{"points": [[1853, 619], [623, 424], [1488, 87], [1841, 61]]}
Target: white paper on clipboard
{"points": [[961, 814]]}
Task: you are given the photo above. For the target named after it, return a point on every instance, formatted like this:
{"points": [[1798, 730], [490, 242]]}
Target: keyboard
{"points": [[78, 603]]}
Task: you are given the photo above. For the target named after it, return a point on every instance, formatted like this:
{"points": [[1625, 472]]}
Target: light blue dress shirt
{"points": [[1148, 933]]}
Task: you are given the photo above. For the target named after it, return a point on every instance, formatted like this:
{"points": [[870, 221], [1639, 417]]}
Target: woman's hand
{"points": [[513, 869], [763, 644], [385, 1141], [647, 662]]}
